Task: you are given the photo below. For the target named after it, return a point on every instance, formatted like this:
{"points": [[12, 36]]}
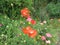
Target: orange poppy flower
{"points": [[32, 33], [25, 12], [27, 29], [24, 31]]}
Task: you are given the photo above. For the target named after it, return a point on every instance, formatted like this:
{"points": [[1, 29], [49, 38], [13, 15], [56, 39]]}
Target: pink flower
{"points": [[48, 41], [29, 19], [0, 25], [43, 37], [48, 35]]}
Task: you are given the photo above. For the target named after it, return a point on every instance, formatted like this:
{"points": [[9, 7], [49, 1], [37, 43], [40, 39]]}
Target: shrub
{"points": [[53, 10]]}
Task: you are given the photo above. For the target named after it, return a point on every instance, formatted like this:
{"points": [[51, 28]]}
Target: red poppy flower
{"points": [[25, 12], [25, 15], [27, 30], [33, 22], [32, 33], [24, 30]]}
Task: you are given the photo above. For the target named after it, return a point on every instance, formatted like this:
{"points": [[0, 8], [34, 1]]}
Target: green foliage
{"points": [[11, 32], [42, 9], [13, 7], [39, 9], [53, 9]]}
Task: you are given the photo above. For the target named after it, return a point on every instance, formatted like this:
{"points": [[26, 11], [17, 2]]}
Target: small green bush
{"points": [[53, 10]]}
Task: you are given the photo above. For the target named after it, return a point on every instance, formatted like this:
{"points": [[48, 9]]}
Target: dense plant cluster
{"points": [[12, 7], [54, 10], [13, 33], [50, 8], [25, 22]]}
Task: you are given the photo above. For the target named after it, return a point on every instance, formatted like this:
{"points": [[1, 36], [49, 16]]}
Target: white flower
{"points": [[44, 22], [45, 28], [41, 24], [48, 41], [5, 43], [7, 26], [51, 19], [2, 35], [11, 4], [24, 40]]}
